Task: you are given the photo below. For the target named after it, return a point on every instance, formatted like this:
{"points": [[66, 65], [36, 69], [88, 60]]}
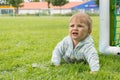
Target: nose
{"points": [[75, 27]]}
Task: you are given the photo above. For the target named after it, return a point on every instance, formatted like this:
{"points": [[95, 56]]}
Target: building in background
{"points": [[88, 7], [68, 0], [42, 8], [6, 9]]}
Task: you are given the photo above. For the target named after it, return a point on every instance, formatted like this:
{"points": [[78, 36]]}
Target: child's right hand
{"points": [[54, 65]]}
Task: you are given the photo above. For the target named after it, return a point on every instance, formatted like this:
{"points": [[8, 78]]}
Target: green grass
{"points": [[28, 40]]}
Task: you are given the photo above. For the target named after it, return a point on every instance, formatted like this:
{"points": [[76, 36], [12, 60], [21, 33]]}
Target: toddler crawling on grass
{"points": [[78, 45]]}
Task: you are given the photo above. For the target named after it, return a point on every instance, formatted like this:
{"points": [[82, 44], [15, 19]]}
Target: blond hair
{"points": [[84, 18]]}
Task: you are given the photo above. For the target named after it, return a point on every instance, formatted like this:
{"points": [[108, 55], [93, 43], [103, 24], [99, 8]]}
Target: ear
{"points": [[89, 31]]}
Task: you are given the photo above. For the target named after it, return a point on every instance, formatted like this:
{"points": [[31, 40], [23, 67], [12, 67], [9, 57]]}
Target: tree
{"points": [[48, 1], [97, 2], [15, 3], [59, 2], [35, 1]]}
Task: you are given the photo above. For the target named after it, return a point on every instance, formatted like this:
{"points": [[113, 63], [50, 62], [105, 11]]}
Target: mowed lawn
{"points": [[26, 45]]}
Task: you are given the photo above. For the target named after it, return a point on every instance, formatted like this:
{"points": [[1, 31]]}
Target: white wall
{"points": [[52, 11], [60, 11], [29, 11]]}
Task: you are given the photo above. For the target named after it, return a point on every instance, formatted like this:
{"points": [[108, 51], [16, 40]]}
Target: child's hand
{"points": [[54, 65], [93, 72]]}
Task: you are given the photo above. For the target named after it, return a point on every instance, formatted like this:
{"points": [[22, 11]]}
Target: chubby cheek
{"points": [[70, 31], [83, 32]]}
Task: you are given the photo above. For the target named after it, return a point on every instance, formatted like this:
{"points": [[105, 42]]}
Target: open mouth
{"points": [[75, 33]]}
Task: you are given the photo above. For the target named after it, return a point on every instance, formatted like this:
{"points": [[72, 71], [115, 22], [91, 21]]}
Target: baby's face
{"points": [[78, 29]]}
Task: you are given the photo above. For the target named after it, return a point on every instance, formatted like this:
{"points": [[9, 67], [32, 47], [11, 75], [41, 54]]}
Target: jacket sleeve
{"points": [[92, 58], [58, 53]]}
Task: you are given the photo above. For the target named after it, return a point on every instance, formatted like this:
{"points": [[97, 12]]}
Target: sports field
{"points": [[26, 45]]}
